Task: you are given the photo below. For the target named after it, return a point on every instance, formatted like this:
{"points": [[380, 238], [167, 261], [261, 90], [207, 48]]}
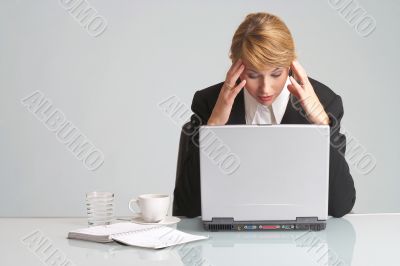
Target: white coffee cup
{"points": [[153, 207]]}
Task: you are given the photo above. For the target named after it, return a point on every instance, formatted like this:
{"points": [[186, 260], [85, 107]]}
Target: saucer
{"points": [[167, 221]]}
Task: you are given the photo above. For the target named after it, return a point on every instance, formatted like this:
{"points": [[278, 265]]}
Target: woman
{"points": [[259, 88]]}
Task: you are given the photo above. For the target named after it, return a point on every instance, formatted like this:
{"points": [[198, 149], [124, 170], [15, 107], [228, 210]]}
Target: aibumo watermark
{"points": [[86, 15], [68, 134]]}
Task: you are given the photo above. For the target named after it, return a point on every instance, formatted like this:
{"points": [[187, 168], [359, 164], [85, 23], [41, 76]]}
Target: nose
{"points": [[265, 88]]}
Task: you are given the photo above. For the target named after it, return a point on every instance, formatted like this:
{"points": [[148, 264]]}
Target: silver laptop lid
{"points": [[264, 172]]}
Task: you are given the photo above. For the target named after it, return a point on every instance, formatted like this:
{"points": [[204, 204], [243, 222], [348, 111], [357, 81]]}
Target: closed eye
{"points": [[277, 75]]}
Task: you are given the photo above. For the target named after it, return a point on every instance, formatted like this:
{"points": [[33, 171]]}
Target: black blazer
{"points": [[342, 194]]}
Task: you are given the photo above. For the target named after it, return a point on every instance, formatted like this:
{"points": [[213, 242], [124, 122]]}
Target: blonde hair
{"points": [[263, 39]]}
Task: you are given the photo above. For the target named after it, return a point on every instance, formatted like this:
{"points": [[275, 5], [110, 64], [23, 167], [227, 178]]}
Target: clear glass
{"points": [[100, 207]]}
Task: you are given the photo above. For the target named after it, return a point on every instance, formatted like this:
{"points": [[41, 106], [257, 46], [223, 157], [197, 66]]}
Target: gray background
{"points": [[110, 87]]}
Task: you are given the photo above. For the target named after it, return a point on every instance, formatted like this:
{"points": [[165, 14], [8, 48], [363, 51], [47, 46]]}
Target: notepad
{"points": [[147, 236]]}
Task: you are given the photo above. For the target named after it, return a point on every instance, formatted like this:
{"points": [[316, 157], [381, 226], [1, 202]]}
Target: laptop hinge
{"points": [[306, 219]]}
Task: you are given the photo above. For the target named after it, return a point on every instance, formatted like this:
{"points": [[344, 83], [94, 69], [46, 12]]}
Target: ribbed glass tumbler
{"points": [[100, 207]]}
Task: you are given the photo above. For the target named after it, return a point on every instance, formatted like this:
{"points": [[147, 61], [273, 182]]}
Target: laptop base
{"points": [[301, 223]]}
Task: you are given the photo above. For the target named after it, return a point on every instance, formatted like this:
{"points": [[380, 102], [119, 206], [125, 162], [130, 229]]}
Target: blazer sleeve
{"points": [[187, 183], [342, 194]]}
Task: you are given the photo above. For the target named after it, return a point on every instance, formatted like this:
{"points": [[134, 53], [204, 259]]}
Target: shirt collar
{"points": [[278, 106]]}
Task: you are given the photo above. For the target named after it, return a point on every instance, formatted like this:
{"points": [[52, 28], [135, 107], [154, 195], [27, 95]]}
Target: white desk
{"points": [[372, 239]]}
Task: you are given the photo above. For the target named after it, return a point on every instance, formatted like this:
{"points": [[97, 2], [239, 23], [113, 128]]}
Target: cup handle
{"points": [[133, 209]]}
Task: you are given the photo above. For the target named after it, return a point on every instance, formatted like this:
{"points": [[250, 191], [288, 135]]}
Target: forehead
{"points": [[265, 70]]}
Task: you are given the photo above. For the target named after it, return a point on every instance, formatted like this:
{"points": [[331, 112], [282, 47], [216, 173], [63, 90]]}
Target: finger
{"points": [[293, 90], [234, 77], [299, 72], [295, 87], [238, 88], [234, 66]]}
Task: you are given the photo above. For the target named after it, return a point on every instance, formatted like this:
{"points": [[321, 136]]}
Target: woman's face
{"points": [[266, 85]]}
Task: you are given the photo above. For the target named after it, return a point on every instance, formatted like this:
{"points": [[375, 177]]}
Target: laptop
{"points": [[264, 177]]}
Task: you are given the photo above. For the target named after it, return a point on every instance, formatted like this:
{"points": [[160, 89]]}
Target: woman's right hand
{"points": [[227, 95]]}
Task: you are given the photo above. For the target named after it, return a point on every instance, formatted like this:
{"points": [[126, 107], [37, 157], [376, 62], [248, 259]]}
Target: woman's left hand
{"points": [[305, 94]]}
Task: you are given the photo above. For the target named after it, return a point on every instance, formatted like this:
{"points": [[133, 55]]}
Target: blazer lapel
{"points": [[238, 113], [294, 113]]}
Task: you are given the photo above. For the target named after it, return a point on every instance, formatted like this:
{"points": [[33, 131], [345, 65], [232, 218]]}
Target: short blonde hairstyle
{"points": [[262, 40]]}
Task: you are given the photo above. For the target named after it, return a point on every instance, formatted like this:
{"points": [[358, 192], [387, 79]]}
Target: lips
{"points": [[265, 98]]}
